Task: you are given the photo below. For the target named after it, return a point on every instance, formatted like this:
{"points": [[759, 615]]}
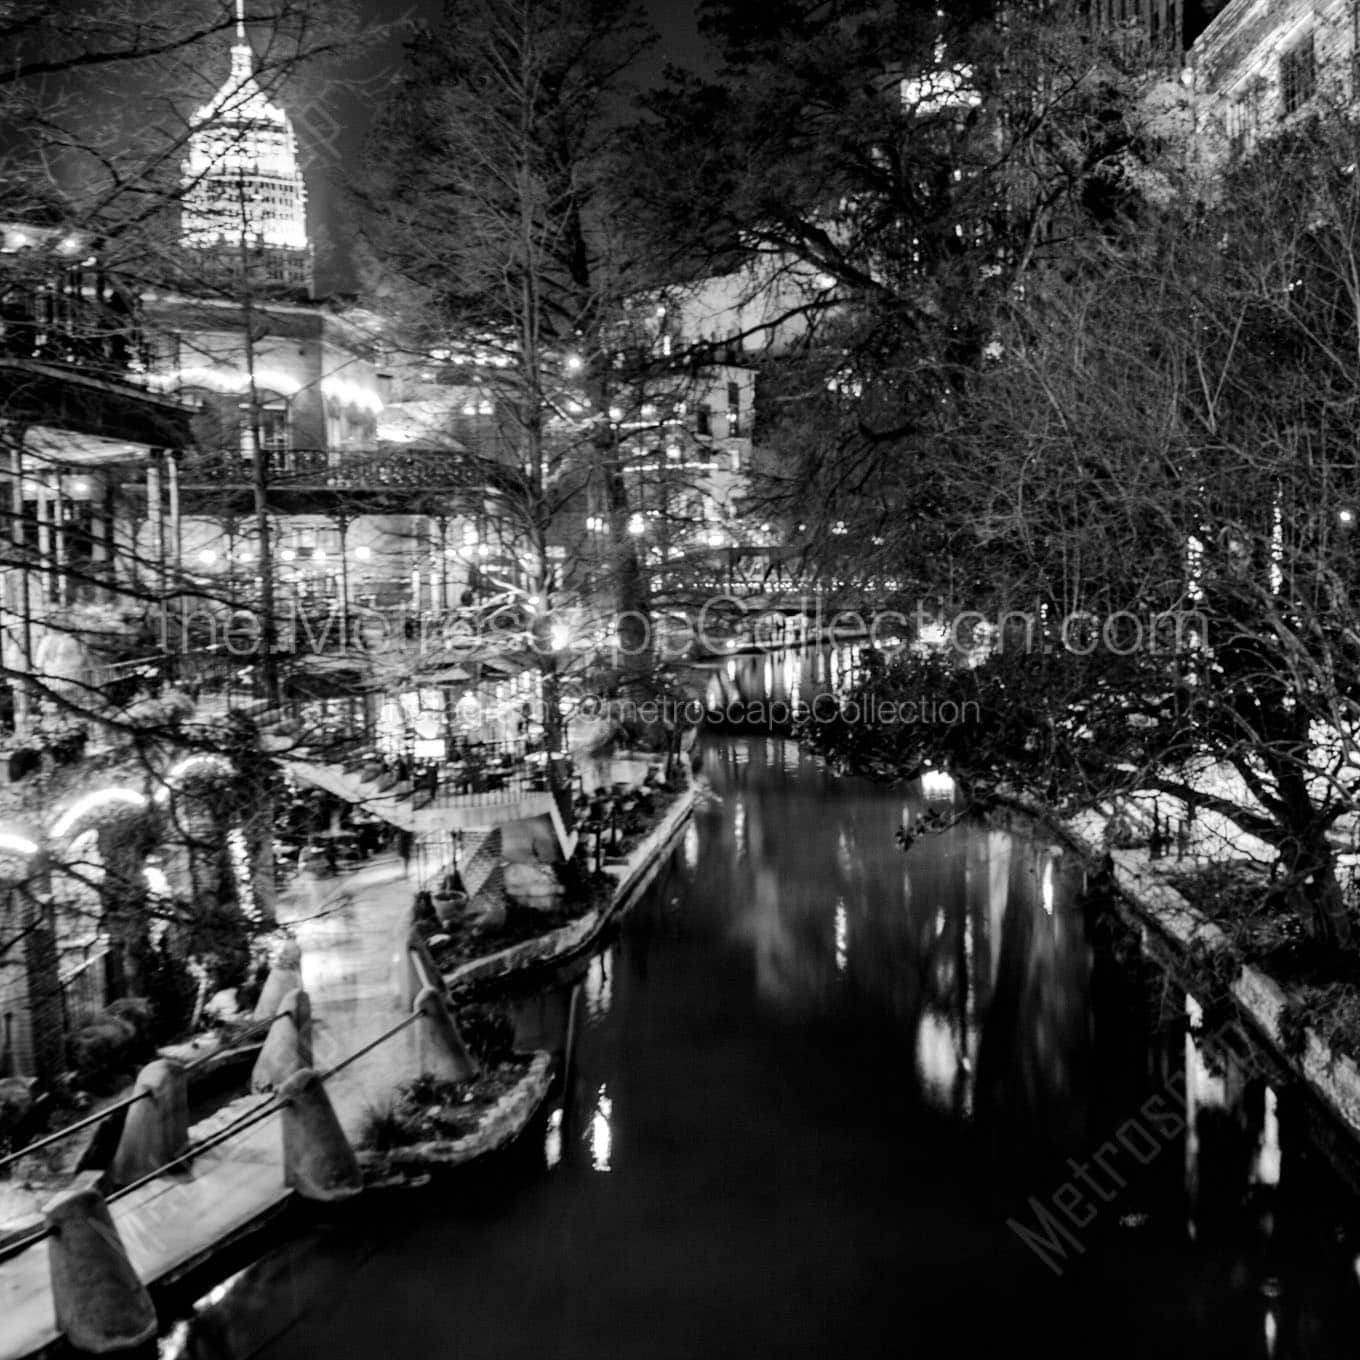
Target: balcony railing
{"points": [[416, 469]]}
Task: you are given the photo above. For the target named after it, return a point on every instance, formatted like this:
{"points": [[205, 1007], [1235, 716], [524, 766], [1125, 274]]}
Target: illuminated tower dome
{"points": [[243, 185]]}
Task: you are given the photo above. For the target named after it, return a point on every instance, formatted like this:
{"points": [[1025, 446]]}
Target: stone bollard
{"points": [[417, 970], [318, 1161], [285, 975], [99, 1302], [288, 1045], [439, 1046], [156, 1128]]}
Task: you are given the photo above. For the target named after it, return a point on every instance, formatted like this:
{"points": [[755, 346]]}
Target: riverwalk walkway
{"points": [[352, 931]]}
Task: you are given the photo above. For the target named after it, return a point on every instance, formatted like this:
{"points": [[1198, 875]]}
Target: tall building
{"points": [[244, 210]]}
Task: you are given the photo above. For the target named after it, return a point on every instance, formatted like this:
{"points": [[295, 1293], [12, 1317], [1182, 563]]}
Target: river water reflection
{"points": [[826, 1098]]}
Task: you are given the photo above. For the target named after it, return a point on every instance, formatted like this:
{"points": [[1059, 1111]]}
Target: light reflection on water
{"points": [[820, 1077]]}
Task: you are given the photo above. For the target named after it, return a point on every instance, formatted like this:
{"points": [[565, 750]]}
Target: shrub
{"points": [[103, 1052]]}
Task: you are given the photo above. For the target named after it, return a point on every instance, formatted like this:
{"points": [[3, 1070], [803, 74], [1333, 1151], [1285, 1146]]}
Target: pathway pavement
{"points": [[351, 929]]}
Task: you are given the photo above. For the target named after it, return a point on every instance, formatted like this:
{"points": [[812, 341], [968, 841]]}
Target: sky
{"points": [[331, 130]]}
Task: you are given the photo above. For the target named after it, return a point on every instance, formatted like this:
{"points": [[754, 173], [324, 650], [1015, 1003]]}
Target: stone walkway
{"points": [[352, 931]]}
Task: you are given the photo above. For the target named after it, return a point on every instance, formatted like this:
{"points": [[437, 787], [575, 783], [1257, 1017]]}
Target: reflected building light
{"points": [[1047, 888], [1267, 1168], [845, 860], [552, 1140], [938, 1065], [731, 668], [219, 1292], [739, 827], [1272, 1332], [599, 987], [842, 936], [601, 1134], [691, 847], [175, 1342]]}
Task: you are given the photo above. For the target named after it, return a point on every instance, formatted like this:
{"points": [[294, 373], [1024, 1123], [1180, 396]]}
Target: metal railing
{"points": [[269, 1105], [455, 469]]}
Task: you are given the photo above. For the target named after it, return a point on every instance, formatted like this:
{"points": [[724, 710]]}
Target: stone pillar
{"points": [[285, 975], [99, 1302], [156, 1129], [60, 577], [46, 575], [288, 1045], [439, 1046], [318, 1161]]}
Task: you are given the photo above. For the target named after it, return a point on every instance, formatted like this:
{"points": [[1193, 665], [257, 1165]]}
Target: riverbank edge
{"points": [[557, 945], [641, 866], [1333, 1077]]}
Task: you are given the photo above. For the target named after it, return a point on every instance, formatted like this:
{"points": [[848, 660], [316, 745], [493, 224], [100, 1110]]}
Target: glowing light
{"points": [[347, 393], [238, 853], [112, 797], [636, 524], [11, 843], [288, 555], [938, 784], [574, 363], [157, 883], [81, 488], [229, 380], [561, 637], [207, 557], [363, 552], [319, 555]]}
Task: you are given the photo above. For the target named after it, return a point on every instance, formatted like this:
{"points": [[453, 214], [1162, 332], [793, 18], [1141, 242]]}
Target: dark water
{"points": [[815, 1085]]}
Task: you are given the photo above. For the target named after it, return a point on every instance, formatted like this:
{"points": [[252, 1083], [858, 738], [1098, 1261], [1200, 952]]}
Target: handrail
{"points": [[270, 1105], [77, 1127]]}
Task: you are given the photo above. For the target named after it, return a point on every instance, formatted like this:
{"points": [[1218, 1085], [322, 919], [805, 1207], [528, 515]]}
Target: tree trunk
{"points": [[1314, 891]]}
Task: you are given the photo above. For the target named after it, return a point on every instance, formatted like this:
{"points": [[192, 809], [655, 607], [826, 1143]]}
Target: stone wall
{"points": [[1237, 68]]}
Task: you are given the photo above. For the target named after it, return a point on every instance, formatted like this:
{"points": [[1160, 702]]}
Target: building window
{"points": [[1243, 122], [703, 421], [1298, 76], [272, 426], [733, 410]]}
